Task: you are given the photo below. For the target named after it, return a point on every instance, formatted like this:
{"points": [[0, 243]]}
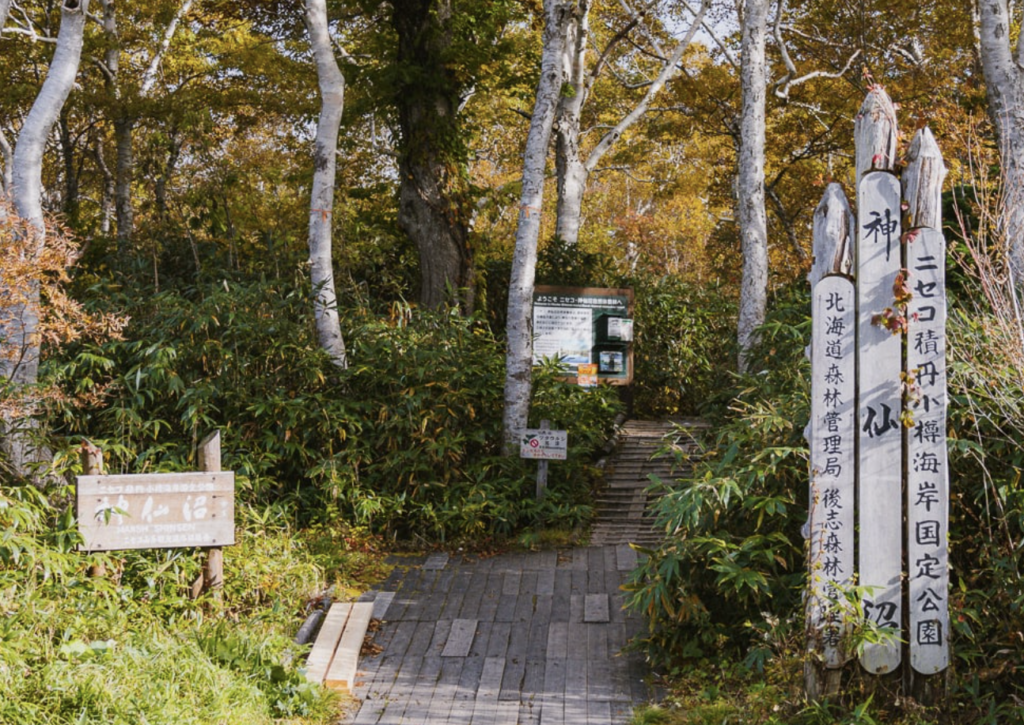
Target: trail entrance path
{"points": [[523, 638], [516, 639]]}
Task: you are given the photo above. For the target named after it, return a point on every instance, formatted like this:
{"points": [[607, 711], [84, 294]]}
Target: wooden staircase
{"points": [[643, 448]]}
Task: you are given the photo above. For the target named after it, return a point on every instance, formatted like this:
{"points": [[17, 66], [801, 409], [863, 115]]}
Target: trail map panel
{"points": [[585, 325]]}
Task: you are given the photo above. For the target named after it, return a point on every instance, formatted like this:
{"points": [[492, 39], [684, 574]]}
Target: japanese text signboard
{"points": [[584, 326], [544, 445], [927, 472], [833, 460], [156, 511], [880, 440]]}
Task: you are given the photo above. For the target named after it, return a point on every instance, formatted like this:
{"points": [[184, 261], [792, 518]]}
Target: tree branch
{"points": [[667, 72], [791, 79], [149, 77]]}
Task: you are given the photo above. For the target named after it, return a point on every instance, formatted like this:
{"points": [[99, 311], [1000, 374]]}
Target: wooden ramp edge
{"points": [[335, 654]]}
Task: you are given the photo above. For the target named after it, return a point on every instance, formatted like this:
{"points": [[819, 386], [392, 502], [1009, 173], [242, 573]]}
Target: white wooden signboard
{"points": [[833, 460], [927, 471], [544, 445], [880, 438], [156, 511]]}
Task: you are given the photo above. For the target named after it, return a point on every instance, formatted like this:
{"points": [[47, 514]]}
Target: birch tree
{"points": [[519, 360], [1002, 60], [321, 208], [20, 364], [572, 168], [750, 192]]}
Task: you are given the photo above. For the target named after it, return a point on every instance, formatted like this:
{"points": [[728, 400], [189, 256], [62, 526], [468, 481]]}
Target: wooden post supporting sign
{"points": [[902, 477], [209, 461]]}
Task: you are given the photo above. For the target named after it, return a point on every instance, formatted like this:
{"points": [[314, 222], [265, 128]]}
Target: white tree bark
{"points": [[519, 360], [571, 170], [26, 191], [1003, 67], [321, 210], [5, 7], [750, 202]]}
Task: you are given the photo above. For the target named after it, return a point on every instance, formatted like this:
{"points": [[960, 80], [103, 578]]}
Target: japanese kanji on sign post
{"points": [[832, 462], [880, 442], [893, 424]]}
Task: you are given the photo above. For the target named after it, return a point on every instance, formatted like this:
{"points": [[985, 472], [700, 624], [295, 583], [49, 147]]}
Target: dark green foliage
{"points": [[734, 550], [685, 345], [406, 441]]}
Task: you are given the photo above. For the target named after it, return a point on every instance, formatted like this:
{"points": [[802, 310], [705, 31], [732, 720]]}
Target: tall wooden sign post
{"points": [[877, 432]]}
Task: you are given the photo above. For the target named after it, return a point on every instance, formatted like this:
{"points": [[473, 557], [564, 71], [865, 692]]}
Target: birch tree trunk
{"points": [[321, 211], [572, 171], [26, 195], [750, 202], [519, 360], [1004, 83]]}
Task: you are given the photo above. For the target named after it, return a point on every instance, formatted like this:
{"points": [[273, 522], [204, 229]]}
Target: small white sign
{"points": [[620, 328], [544, 445]]}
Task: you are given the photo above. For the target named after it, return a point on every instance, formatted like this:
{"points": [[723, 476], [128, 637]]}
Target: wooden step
{"points": [[335, 655]]}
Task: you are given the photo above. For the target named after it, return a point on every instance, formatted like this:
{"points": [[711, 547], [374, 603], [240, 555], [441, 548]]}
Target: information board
{"points": [[156, 511], [583, 326]]}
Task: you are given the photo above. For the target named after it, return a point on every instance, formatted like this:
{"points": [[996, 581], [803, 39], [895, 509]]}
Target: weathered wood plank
{"points": [[834, 235], [880, 440], [595, 608], [875, 134], [322, 653], [341, 674], [922, 181], [460, 638]]}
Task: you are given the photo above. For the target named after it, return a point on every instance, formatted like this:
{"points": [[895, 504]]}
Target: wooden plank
{"points": [[927, 465], [880, 441], [595, 608], [320, 657], [341, 674], [436, 562], [381, 604], [460, 638], [156, 511]]}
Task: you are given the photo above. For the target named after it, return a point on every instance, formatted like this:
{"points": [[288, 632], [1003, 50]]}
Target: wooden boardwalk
{"points": [[526, 638], [643, 451]]}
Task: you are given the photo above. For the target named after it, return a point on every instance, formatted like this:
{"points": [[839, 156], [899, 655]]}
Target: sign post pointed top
{"points": [[876, 134], [922, 181]]}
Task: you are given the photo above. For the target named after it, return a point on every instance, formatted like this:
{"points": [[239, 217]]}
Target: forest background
{"points": [[179, 296]]}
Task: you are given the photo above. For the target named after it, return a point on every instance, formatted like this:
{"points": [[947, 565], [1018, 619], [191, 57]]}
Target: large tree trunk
{"points": [[750, 201], [1004, 83], [433, 188], [26, 194], [519, 361], [321, 211]]}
